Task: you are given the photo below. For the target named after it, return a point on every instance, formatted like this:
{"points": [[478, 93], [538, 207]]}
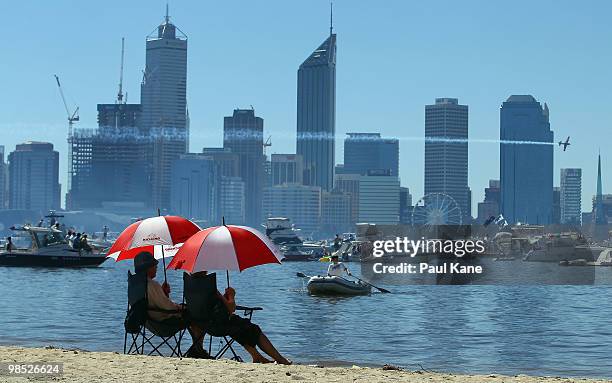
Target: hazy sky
{"points": [[393, 58]]}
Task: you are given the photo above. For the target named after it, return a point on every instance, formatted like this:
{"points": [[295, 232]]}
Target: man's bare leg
{"points": [[257, 357], [267, 347]]}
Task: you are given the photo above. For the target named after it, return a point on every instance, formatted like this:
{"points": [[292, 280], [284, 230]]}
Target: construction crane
{"points": [[266, 144], [120, 93], [72, 117]]}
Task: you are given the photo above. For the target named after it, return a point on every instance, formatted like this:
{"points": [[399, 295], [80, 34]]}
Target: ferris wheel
{"points": [[436, 209]]}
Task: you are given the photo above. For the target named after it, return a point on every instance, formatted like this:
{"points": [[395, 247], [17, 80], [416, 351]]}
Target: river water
{"points": [[553, 330]]}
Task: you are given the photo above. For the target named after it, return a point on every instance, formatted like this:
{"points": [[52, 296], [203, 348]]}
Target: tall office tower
{"points": [[164, 105], [287, 169], [194, 188], [379, 199], [405, 205], [300, 203], [243, 135], [119, 153], [446, 151], [316, 114], [599, 215], [232, 200], [227, 161], [3, 180], [556, 206], [34, 177], [571, 196], [336, 213], [526, 170], [349, 183], [369, 151], [490, 206]]}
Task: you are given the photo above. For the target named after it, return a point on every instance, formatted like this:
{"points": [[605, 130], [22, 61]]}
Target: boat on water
{"points": [[303, 252], [35, 246], [321, 285], [281, 231]]}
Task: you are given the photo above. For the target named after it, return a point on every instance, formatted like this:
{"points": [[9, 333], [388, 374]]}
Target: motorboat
{"points": [[36, 246], [324, 285], [281, 231]]}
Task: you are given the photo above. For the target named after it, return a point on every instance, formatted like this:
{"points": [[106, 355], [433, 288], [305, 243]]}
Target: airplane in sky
{"points": [[565, 144]]}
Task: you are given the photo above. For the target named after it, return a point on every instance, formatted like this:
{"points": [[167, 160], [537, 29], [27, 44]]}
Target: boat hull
{"points": [[336, 286], [29, 260]]}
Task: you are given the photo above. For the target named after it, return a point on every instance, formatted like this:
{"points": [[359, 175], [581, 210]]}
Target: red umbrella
{"points": [[226, 247], [160, 235]]}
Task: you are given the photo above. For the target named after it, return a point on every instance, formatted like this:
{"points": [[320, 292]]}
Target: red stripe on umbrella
{"points": [[154, 231], [245, 243], [192, 246], [225, 248]]}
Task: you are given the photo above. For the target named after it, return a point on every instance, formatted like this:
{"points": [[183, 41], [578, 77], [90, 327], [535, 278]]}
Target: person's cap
{"points": [[144, 260], [334, 256]]}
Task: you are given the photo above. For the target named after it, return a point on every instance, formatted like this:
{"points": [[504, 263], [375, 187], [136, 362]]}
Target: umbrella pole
{"points": [[163, 255], [227, 274], [164, 263]]}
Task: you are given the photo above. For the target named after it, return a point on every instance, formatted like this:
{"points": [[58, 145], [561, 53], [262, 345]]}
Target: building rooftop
{"points": [[521, 98]]}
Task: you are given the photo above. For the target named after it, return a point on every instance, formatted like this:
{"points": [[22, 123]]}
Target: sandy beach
{"points": [[83, 366]]}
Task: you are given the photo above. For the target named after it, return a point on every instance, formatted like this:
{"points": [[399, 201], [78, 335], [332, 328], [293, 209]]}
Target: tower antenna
{"points": [[331, 18], [167, 14], [120, 93]]}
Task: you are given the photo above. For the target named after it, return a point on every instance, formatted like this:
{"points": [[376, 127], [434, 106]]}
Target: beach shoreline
{"points": [[85, 366]]}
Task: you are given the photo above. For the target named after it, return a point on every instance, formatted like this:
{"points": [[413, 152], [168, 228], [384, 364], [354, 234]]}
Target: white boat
{"points": [[34, 246], [281, 231], [320, 285]]}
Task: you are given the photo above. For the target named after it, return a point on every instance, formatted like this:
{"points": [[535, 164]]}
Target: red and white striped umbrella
{"points": [[226, 247], [160, 235]]}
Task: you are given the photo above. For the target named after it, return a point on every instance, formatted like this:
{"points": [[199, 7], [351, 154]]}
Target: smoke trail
{"points": [[322, 136], [135, 134]]}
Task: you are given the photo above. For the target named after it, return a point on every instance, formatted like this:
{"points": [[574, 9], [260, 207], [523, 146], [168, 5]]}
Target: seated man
{"points": [[158, 299], [84, 244], [337, 269], [241, 329]]}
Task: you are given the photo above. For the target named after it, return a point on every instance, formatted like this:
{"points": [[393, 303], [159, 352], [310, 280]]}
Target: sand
{"points": [[83, 366]]}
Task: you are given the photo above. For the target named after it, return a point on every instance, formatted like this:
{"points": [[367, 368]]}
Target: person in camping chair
{"points": [[337, 269], [247, 334], [158, 296]]}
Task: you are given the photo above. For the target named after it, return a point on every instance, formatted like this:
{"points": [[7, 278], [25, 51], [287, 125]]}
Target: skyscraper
{"points": [[316, 114], [164, 105], [34, 177], [526, 161], [286, 169], [446, 151], [490, 206], [195, 187], [369, 151], [379, 199], [571, 196], [599, 215], [3, 180], [243, 135], [300, 203]]}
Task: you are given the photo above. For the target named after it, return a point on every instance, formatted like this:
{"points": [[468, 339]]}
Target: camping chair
{"points": [[199, 294], [137, 322]]}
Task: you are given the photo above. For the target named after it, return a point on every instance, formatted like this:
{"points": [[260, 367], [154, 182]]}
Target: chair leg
{"points": [[124, 342]]}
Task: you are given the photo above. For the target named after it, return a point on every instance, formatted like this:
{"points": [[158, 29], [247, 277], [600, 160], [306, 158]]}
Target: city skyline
{"points": [[410, 163]]}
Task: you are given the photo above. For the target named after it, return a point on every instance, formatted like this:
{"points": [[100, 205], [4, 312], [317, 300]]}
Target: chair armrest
{"points": [[245, 308], [164, 311]]}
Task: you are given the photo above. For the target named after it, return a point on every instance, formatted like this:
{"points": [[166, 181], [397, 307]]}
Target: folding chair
{"points": [[137, 322], [199, 294]]}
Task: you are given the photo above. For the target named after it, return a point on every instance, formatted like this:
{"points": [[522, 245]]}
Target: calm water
{"points": [[539, 330]]}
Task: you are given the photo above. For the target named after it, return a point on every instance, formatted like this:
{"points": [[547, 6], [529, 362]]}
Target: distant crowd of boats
{"points": [[51, 244]]}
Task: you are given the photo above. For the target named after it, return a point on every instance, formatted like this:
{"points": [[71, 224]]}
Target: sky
{"points": [[394, 57]]}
